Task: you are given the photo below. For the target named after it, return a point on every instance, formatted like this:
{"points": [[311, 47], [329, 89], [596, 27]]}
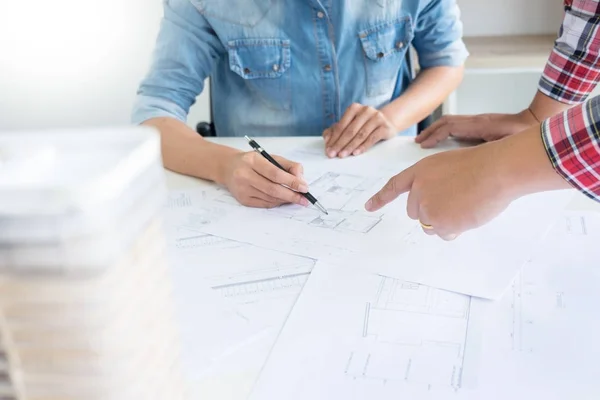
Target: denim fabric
{"points": [[292, 67]]}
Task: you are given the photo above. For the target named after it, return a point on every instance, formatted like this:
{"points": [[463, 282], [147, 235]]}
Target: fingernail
{"points": [[303, 188], [369, 205], [304, 202], [331, 153], [344, 154], [357, 152]]}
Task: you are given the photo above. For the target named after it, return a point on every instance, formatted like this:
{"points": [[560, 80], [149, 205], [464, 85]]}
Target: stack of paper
{"points": [[85, 299]]}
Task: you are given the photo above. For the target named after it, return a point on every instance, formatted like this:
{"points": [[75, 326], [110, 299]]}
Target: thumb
{"points": [[293, 168], [399, 184]]}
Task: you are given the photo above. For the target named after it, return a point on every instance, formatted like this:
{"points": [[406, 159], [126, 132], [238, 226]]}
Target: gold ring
{"points": [[425, 226]]}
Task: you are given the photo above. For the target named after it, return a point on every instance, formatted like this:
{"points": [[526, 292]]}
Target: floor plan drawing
{"points": [[393, 336], [343, 195], [377, 337]]}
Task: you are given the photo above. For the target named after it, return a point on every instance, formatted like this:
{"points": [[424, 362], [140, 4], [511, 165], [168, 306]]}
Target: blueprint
{"points": [[250, 293], [210, 327], [261, 284], [387, 242], [482, 262], [363, 336], [305, 231]]}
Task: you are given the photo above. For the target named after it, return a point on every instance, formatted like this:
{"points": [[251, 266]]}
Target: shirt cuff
{"points": [[567, 79], [147, 107], [454, 55], [573, 147]]}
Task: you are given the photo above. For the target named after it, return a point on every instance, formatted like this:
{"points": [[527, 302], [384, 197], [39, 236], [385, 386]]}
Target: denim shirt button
{"points": [[380, 54], [246, 70], [275, 67], [320, 14], [327, 68], [400, 45]]}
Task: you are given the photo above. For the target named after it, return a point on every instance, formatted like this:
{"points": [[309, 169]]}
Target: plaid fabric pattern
{"points": [[572, 141], [573, 68]]}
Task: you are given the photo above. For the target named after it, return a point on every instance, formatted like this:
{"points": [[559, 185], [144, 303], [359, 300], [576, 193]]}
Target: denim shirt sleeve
{"points": [[438, 35], [186, 50]]}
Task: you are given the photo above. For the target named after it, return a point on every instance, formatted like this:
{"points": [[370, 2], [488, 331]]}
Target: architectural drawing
{"points": [[403, 339], [179, 200], [261, 283], [354, 335], [200, 240], [182, 199], [342, 195]]}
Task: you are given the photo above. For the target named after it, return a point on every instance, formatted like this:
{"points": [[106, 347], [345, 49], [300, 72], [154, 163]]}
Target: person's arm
{"points": [[430, 88], [438, 42], [186, 51], [570, 75], [462, 189]]}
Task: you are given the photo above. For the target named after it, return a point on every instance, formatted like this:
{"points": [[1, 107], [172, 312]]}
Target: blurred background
{"points": [[72, 63]]}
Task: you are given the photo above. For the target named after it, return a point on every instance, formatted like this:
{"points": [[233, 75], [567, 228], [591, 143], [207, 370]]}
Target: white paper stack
{"points": [[85, 294]]}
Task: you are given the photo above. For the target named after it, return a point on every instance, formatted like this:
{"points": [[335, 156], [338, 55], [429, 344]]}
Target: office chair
{"points": [[207, 129]]}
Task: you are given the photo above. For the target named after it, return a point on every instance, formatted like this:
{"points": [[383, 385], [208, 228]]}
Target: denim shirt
{"points": [[292, 67]]}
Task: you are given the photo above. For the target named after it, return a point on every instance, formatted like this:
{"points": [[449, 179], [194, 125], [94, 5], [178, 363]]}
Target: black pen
{"points": [[266, 155]]}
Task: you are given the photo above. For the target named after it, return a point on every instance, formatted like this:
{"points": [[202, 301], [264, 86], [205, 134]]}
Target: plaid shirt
{"points": [[572, 138]]}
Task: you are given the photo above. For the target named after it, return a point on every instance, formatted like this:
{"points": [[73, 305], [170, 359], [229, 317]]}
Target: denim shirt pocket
{"points": [[264, 65], [384, 47]]}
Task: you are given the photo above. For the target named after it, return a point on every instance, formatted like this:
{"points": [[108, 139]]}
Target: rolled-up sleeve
{"points": [[573, 68], [438, 35], [186, 50], [572, 142]]}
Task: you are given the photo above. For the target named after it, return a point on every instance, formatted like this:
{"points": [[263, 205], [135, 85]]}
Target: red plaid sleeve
{"points": [[572, 141], [573, 68]]}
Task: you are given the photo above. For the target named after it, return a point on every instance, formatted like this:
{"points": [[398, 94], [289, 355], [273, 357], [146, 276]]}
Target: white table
{"points": [[398, 147], [236, 387]]}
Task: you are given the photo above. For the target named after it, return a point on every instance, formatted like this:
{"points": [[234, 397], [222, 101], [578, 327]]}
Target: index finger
{"points": [[399, 184], [277, 175], [430, 130], [435, 127]]}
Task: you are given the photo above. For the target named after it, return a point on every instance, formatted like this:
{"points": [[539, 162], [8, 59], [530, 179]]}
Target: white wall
{"points": [[510, 17], [68, 63]]}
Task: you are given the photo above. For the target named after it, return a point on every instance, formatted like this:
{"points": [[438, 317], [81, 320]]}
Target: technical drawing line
{"points": [[366, 321], [291, 276], [349, 362]]}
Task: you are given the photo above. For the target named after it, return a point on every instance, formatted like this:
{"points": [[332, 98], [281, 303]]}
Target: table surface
{"points": [[236, 387]]}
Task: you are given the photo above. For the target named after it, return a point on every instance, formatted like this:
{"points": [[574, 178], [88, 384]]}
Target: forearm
{"points": [[431, 87], [523, 164], [186, 152], [543, 107]]}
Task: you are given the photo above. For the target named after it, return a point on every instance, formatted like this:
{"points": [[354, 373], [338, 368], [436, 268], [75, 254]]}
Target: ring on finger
{"points": [[425, 226]]}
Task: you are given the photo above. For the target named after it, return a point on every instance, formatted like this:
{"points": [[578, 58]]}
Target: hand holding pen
{"points": [[303, 191], [255, 182]]}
